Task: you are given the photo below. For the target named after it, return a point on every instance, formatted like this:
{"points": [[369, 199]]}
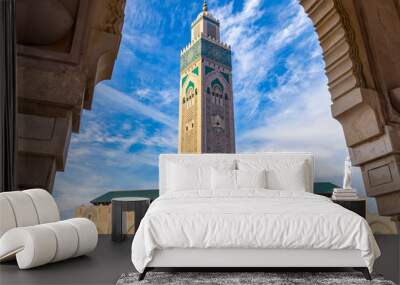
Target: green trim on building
{"points": [[209, 69], [184, 79], [191, 55], [205, 48], [225, 75], [106, 198], [217, 82], [215, 52], [324, 188], [196, 71], [190, 85]]}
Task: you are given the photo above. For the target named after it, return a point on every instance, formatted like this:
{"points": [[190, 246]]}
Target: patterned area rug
{"points": [[273, 278]]}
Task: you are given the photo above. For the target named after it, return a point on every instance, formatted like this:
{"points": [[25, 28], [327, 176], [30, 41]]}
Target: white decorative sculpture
{"points": [[347, 174]]}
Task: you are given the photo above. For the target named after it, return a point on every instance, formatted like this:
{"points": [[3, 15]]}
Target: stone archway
{"points": [[361, 50]]}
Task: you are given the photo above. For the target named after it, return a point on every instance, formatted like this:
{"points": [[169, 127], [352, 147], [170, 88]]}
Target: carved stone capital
{"points": [[360, 114], [114, 18], [394, 105]]}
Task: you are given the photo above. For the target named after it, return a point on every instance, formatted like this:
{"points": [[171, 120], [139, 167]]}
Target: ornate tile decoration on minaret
{"points": [[206, 121]]}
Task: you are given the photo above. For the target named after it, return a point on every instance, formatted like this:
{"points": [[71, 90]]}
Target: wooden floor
{"points": [[110, 260]]}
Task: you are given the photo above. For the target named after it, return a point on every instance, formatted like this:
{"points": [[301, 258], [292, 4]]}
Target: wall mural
{"points": [[274, 70]]}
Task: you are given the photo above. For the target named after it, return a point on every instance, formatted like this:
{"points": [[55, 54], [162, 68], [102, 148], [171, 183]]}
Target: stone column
{"points": [[65, 47]]}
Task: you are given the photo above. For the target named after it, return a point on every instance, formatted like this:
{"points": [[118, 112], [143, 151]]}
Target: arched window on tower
{"points": [[190, 95], [212, 30], [217, 92]]}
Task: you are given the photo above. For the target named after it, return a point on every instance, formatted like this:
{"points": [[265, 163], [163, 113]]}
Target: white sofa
{"points": [[31, 230]]}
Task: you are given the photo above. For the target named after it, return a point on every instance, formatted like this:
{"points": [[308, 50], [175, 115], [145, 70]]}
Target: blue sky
{"points": [[281, 97]]}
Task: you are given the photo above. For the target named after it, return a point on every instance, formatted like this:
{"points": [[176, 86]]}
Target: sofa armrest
{"points": [[32, 246], [41, 244]]}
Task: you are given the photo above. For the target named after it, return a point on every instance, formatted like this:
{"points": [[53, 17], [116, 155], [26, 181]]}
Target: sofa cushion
{"points": [[41, 244], [67, 240], [87, 234], [7, 220], [46, 207], [23, 208], [32, 246]]}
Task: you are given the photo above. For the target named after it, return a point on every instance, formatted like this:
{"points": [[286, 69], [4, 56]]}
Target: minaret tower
{"points": [[206, 121]]}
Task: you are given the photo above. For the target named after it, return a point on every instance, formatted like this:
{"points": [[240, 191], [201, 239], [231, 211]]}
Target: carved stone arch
{"points": [[217, 75], [104, 66], [359, 102], [190, 80]]}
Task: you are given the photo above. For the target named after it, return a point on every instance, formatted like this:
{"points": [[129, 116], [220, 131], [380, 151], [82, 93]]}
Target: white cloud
{"points": [[164, 139], [123, 100], [305, 124], [115, 150], [294, 114], [93, 170], [256, 46], [164, 96], [97, 133], [142, 42], [101, 143], [289, 30]]}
